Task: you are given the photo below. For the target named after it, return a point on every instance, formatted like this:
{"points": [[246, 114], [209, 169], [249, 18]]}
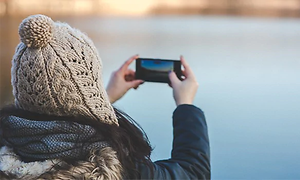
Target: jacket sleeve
{"points": [[190, 157]]}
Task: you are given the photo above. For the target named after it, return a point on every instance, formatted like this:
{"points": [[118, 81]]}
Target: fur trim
{"points": [[102, 164], [11, 165]]}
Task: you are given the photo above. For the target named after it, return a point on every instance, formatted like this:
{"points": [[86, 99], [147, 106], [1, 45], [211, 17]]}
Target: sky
{"points": [[158, 66]]}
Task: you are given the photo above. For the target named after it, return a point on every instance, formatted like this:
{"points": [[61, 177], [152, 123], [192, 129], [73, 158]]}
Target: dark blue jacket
{"points": [[190, 157]]}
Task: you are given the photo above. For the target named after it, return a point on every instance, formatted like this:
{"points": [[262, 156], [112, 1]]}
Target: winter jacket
{"points": [[190, 157], [189, 160]]}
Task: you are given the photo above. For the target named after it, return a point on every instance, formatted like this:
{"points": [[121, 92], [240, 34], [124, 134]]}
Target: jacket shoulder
{"points": [[190, 157]]}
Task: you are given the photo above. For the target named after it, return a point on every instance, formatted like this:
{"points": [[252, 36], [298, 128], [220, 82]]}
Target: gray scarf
{"points": [[40, 140]]}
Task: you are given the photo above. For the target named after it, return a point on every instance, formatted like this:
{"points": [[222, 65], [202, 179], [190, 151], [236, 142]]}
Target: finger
{"points": [[188, 71], [173, 78], [129, 72], [135, 83], [128, 62], [129, 77], [183, 74], [136, 87]]}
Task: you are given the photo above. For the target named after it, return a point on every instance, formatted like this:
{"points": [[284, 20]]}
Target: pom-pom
{"points": [[36, 31]]}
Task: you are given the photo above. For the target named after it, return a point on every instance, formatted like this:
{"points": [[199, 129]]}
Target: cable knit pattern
{"points": [[57, 70]]}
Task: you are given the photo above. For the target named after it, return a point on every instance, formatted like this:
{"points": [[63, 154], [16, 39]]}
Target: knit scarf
{"points": [[41, 140]]}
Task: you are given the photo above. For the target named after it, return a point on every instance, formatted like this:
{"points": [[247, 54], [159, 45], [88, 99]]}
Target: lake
{"points": [[248, 71]]}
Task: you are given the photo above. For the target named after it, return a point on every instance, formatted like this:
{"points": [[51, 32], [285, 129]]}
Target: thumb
{"points": [[173, 78], [135, 83]]}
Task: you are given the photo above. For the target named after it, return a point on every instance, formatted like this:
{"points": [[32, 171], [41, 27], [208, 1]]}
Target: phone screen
{"points": [[156, 70]]}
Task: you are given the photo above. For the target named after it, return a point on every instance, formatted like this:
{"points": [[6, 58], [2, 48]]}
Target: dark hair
{"points": [[128, 139]]}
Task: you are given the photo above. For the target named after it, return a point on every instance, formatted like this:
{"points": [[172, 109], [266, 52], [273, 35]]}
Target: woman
{"points": [[63, 126]]}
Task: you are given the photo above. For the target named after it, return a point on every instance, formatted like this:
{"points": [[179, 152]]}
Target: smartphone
{"points": [[157, 70]]}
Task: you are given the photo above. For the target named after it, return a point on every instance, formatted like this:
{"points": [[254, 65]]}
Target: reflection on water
{"points": [[248, 71]]}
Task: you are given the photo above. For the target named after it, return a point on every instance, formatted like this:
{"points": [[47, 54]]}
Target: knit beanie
{"points": [[56, 70]]}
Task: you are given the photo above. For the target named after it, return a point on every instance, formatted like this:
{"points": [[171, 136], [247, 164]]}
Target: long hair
{"points": [[129, 140]]}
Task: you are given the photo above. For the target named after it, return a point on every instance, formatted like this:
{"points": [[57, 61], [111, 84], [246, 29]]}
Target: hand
{"points": [[122, 80], [184, 91]]}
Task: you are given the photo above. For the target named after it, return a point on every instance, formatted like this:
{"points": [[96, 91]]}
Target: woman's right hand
{"points": [[184, 91], [122, 80]]}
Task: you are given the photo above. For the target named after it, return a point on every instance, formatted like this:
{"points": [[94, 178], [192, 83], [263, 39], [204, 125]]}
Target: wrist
{"points": [[111, 100], [178, 103]]}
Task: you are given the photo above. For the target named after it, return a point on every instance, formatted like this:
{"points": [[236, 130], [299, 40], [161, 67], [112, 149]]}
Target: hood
{"points": [[101, 164]]}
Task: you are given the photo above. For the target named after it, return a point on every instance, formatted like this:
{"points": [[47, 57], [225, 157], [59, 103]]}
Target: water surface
{"points": [[248, 70]]}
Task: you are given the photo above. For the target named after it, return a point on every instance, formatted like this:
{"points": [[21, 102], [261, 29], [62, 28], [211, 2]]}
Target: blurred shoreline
{"points": [[13, 11], [270, 8]]}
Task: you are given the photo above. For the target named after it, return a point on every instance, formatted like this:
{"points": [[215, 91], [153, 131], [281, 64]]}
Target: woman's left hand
{"points": [[122, 80]]}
